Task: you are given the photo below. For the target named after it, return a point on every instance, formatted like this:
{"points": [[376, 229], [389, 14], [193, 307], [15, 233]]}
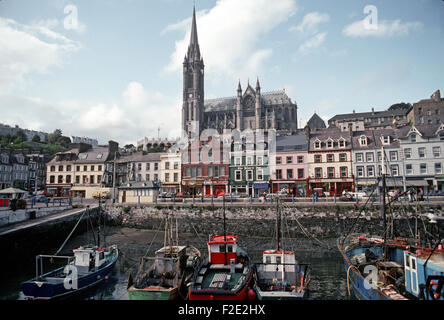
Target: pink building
{"points": [[289, 165]]}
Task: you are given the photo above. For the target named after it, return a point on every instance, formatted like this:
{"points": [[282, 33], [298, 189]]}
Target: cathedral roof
{"points": [[226, 104]]}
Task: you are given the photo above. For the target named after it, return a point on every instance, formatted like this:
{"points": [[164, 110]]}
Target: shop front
{"points": [[193, 187], [330, 187], [298, 188]]}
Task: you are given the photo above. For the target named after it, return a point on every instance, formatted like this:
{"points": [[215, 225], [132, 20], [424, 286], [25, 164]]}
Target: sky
{"points": [[112, 69]]}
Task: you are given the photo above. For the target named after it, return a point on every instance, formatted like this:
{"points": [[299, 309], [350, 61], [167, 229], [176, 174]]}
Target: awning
{"points": [[416, 183], [261, 186]]}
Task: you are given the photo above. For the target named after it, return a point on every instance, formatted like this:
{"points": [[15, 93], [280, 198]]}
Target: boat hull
{"points": [[280, 295], [36, 290], [153, 293]]}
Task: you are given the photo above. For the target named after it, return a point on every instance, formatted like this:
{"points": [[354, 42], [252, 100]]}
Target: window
{"points": [[139, 166], [363, 141], [260, 174], [289, 173], [148, 166], [167, 166], [156, 166], [343, 172], [318, 173], [278, 160], [156, 177], [408, 169], [317, 145], [85, 168], [343, 157], [436, 152], [370, 171], [360, 171], [60, 179], [342, 143], [51, 179], [99, 179], [359, 157], [176, 177], [238, 175], [260, 161], [52, 169], [329, 144], [91, 180], [330, 157], [199, 172], [441, 136], [249, 161], [77, 168], [279, 174], [300, 173], [68, 168], [176, 165], [300, 159], [330, 172], [421, 152], [147, 177], [423, 168], [369, 156], [237, 161], [395, 170], [289, 160], [60, 168], [68, 179], [318, 158], [438, 168], [408, 153], [78, 179], [167, 177], [413, 138], [386, 140], [393, 156]]}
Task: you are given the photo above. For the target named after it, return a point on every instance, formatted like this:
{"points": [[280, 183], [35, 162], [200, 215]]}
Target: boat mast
{"points": [[278, 231], [383, 201], [225, 233], [98, 231]]}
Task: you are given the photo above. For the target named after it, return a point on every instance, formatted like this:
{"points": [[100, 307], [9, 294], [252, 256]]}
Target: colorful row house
{"points": [[249, 167], [330, 162], [290, 165]]}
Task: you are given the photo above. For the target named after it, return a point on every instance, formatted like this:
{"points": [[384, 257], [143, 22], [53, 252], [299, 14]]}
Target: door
{"points": [[124, 197], [411, 273]]}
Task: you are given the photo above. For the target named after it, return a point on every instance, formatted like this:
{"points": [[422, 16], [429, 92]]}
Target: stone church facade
{"points": [[249, 109]]}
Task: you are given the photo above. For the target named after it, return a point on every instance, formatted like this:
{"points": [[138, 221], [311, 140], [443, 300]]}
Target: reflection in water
{"points": [[328, 278]]}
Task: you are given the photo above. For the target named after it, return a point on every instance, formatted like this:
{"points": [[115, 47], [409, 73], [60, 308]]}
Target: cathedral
{"points": [[249, 109]]}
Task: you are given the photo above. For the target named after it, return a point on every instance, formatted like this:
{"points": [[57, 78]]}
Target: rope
{"points": [[348, 278]]}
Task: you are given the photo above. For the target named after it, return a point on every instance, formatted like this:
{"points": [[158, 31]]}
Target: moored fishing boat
{"points": [[227, 273], [167, 277], [88, 267], [390, 268], [280, 276]]}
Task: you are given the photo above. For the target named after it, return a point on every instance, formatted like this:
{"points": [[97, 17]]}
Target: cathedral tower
{"points": [[193, 84]]}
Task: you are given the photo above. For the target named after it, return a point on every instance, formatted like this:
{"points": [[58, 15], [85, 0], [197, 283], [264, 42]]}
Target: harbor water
{"points": [[328, 277]]}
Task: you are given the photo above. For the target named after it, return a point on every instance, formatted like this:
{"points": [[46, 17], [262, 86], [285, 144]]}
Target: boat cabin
{"points": [[275, 260], [89, 259], [216, 249], [167, 257]]}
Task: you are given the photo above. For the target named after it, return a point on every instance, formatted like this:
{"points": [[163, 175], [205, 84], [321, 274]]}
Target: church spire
{"points": [[193, 49]]}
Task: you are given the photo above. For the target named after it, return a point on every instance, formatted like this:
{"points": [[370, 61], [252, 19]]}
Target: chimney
{"points": [[436, 96], [113, 147], [373, 111], [350, 128], [307, 132]]}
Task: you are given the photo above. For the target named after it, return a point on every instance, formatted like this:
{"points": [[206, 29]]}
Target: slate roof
{"points": [[365, 115], [229, 104], [374, 139], [330, 133], [292, 143], [140, 157], [426, 130]]}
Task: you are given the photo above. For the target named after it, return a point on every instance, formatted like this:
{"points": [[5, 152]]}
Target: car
{"points": [[179, 195], [41, 198], [347, 197], [162, 195]]}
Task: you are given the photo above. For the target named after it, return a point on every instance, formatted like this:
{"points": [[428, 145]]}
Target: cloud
{"points": [[230, 34], [27, 49], [310, 23], [385, 28], [312, 43], [137, 114]]}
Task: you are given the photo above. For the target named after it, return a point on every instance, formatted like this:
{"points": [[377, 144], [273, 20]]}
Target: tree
{"points": [[20, 137], [53, 137], [36, 138]]}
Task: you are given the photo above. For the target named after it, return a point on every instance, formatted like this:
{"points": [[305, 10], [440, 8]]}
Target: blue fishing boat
{"points": [[89, 266], [389, 268]]}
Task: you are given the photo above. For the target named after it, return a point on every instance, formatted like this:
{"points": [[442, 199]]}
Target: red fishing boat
{"points": [[226, 274]]}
